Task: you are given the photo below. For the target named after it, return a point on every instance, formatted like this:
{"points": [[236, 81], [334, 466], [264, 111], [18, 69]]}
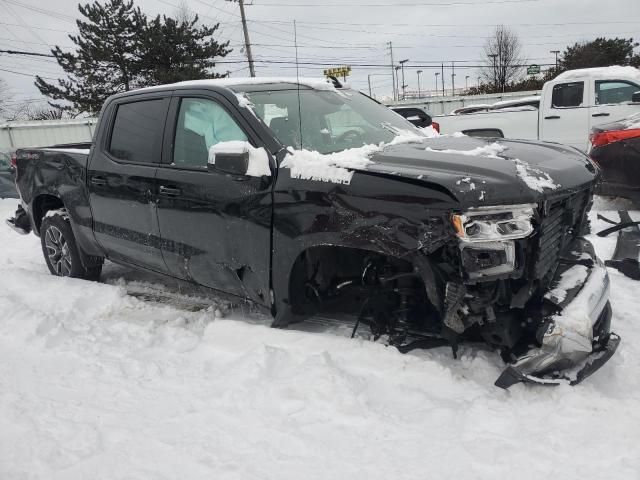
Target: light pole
{"points": [[556, 52], [397, 69], [466, 82], [453, 84], [404, 86], [437, 73], [419, 72], [478, 82]]}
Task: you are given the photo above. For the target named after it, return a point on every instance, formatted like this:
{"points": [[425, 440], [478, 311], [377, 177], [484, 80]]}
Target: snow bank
{"points": [[96, 383]]}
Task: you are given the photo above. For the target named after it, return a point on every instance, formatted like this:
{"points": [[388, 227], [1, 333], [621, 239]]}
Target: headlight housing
{"points": [[486, 224]]}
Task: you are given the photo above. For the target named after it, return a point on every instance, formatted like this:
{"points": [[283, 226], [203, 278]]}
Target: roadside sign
{"points": [[338, 72], [533, 69]]}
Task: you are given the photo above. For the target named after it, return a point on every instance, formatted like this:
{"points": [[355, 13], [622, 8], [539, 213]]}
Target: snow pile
{"points": [[490, 151], [334, 167], [534, 178], [96, 383]]}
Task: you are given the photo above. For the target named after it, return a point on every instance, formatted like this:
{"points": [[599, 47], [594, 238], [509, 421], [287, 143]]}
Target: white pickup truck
{"points": [[568, 107]]}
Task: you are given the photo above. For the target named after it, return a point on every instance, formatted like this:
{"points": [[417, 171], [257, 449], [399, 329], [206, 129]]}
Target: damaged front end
{"points": [[548, 304]]}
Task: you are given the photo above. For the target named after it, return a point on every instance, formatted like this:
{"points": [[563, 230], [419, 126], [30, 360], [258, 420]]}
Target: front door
{"points": [[215, 228], [613, 101], [565, 115], [121, 181]]}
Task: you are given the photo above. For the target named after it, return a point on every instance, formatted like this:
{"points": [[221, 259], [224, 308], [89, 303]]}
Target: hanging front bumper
{"points": [[576, 341]]}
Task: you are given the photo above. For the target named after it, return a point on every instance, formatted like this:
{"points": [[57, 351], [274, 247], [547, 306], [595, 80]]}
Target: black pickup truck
{"points": [[308, 198]]}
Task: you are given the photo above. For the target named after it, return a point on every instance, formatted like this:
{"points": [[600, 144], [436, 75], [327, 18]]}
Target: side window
{"points": [[617, 91], [137, 129], [201, 124], [567, 95]]}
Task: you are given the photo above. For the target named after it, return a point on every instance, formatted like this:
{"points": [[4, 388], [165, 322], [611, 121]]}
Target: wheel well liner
{"points": [[41, 205]]}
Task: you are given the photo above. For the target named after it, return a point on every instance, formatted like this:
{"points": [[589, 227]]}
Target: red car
{"points": [[615, 147]]}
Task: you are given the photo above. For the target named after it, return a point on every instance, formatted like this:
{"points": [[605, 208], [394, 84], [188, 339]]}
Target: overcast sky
{"points": [[334, 32]]}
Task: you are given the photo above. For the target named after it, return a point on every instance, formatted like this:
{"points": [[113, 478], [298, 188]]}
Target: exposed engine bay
{"points": [[518, 278]]}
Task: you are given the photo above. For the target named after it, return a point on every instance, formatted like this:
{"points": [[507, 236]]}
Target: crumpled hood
{"points": [[480, 171]]}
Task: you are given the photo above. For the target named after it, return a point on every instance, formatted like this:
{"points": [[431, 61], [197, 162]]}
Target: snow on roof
{"points": [[615, 72], [315, 83]]}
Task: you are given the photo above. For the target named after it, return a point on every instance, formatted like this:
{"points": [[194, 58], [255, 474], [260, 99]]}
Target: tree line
{"points": [[504, 70]]}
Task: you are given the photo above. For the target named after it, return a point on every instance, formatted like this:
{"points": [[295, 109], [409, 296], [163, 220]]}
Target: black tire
{"points": [[61, 251]]}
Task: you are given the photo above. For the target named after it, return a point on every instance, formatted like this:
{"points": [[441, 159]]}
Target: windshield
{"points": [[327, 121]]}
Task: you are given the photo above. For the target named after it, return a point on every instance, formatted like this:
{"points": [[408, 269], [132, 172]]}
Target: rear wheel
{"points": [[60, 250]]}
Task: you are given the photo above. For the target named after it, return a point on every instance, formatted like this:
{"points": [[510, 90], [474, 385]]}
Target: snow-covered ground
{"points": [[132, 379]]}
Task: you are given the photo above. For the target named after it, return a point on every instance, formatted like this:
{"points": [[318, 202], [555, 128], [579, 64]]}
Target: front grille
{"points": [[561, 222]]}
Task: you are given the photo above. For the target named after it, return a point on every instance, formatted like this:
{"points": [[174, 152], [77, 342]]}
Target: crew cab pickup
{"points": [[305, 197], [568, 108]]}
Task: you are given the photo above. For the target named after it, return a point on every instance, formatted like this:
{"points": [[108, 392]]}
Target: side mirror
{"points": [[239, 158], [635, 98]]}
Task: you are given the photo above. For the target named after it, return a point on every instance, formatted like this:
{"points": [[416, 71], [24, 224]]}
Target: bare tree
{"points": [[503, 59], [183, 13]]}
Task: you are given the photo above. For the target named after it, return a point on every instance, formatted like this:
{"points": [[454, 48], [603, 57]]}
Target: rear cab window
{"points": [[137, 131], [567, 95]]}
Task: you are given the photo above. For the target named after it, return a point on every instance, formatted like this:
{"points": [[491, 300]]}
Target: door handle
{"points": [[552, 117], [602, 114], [170, 191], [98, 181]]}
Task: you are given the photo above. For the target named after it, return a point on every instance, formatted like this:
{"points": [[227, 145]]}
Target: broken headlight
{"points": [[486, 224]]}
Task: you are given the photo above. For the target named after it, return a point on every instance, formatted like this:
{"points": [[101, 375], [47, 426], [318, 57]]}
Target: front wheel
{"points": [[60, 249]]}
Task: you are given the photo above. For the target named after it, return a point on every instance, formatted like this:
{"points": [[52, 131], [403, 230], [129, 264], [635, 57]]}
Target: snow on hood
{"points": [[533, 177], [339, 167], [601, 72]]}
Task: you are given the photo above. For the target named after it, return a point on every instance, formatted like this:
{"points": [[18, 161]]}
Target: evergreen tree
{"points": [[601, 52], [119, 49], [107, 58], [174, 51]]}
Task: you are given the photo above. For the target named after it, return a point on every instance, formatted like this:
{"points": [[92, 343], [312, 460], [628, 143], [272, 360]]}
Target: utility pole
{"points": [[419, 95], [466, 82], [393, 77], [437, 73], [247, 42], [443, 79], [397, 68], [493, 57], [404, 86], [556, 52], [453, 79]]}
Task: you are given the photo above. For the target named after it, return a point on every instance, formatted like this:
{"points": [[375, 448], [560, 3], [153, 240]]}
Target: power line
{"points": [[412, 5]]}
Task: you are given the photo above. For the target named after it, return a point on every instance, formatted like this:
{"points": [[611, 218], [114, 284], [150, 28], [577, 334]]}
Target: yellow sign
{"points": [[337, 71]]}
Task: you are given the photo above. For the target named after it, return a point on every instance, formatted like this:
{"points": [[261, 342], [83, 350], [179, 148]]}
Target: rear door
{"points": [[215, 227], [565, 114], [612, 101], [121, 180]]}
